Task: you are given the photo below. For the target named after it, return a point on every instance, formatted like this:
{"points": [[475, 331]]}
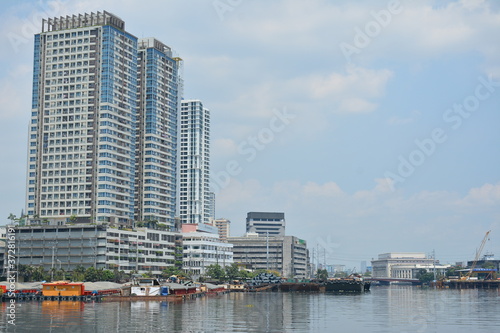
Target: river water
{"points": [[384, 309]]}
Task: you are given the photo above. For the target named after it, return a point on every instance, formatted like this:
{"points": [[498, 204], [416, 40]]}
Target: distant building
{"points": [[224, 226], [285, 254], [402, 265], [487, 260], [266, 223], [363, 267], [202, 247]]}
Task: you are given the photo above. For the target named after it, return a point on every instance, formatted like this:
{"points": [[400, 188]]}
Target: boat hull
{"points": [[346, 286]]}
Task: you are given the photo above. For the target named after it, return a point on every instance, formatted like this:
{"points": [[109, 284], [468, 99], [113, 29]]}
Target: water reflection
{"points": [[384, 309]]}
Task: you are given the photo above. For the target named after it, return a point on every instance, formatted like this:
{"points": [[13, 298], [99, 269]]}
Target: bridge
{"points": [[388, 280]]}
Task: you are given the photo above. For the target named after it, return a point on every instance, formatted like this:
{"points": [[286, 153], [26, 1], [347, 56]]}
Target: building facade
{"points": [[286, 254], [224, 227], [202, 247], [195, 198], [266, 223], [142, 250], [88, 124], [159, 101], [402, 265]]}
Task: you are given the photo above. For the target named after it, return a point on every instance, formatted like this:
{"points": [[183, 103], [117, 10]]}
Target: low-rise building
{"points": [[404, 265], [202, 247], [69, 246], [286, 254]]}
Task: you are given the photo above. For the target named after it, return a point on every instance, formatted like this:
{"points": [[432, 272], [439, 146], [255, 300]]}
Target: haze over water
{"points": [[384, 309]]}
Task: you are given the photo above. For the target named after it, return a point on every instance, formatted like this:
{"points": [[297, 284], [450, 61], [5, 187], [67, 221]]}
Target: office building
{"points": [[202, 247], [266, 224], [195, 198], [286, 254], [88, 124], [69, 246]]}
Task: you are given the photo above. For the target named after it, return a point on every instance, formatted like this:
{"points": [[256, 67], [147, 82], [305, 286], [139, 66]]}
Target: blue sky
{"points": [[315, 106]]}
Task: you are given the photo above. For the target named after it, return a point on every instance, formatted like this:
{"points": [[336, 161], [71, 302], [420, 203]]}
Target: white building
{"points": [[202, 247], [195, 198], [266, 223], [403, 265]]}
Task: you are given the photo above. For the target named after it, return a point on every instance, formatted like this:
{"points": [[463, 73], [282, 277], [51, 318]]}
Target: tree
{"points": [[78, 273], [232, 271], [322, 274], [13, 218], [424, 276], [91, 274], [488, 265], [39, 274], [340, 275], [215, 272]]}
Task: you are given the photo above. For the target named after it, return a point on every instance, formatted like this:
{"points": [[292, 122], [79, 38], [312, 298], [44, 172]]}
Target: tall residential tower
{"points": [[195, 198], [101, 96]]}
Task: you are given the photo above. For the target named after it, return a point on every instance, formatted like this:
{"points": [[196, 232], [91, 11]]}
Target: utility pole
{"points": [[52, 270], [267, 250]]}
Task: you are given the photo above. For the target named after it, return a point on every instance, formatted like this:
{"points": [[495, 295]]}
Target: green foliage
{"points": [[453, 271], [166, 273], [322, 274], [93, 275], [340, 275], [233, 271], [488, 265], [424, 276], [215, 272]]}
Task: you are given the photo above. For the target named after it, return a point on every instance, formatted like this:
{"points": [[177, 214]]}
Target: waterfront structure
{"points": [[266, 223], [88, 124], [158, 102], [224, 226], [487, 260], [404, 265], [202, 247], [195, 198], [286, 254], [141, 250]]}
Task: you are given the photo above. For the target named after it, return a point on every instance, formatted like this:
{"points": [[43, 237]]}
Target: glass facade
{"points": [[98, 152]]}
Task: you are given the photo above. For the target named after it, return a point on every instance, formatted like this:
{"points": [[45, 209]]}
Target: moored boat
{"points": [[352, 283]]}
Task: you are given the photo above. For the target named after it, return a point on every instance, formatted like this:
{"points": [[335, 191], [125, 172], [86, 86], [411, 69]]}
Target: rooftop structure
{"points": [[266, 223]]}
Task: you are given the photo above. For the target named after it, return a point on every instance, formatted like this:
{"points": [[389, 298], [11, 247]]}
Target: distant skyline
{"points": [[373, 126]]}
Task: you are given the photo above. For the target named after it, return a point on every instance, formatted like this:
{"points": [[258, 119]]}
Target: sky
{"points": [[373, 125]]}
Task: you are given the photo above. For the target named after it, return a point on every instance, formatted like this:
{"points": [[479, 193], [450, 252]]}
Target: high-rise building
{"points": [[266, 223], [159, 101], [194, 167], [88, 124]]}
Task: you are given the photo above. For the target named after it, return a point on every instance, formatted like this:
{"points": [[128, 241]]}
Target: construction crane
{"points": [[478, 254]]}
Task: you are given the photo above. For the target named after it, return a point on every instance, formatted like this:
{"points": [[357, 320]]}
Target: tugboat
{"points": [[352, 284]]}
